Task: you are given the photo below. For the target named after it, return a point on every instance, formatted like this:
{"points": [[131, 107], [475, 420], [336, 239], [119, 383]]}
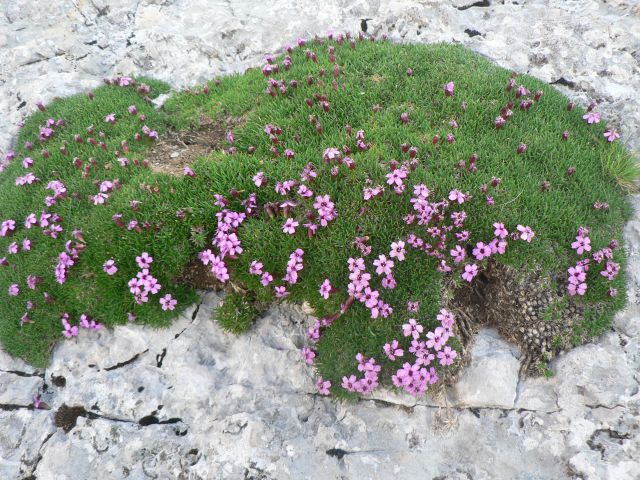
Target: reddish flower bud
{"points": [[571, 171], [45, 153], [570, 106], [404, 147], [349, 129], [436, 139], [565, 135], [413, 151], [63, 150], [321, 72], [499, 122], [376, 108], [404, 117], [409, 72], [521, 148], [28, 145], [545, 186], [537, 96], [495, 181], [90, 95], [77, 162]]}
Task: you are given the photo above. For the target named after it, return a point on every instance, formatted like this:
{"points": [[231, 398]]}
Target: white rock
{"points": [[491, 378]]}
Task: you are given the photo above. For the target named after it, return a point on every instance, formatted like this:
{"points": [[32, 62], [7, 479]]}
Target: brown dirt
{"points": [[178, 149], [66, 417], [199, 276], [527, 311]]}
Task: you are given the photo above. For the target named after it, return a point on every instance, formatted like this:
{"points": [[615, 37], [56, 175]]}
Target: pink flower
{"points": [[69, 331], [447, 319], [259, 179], [14, 290], [576, 289], [281, 291], [446, 356], [168, 302], [323, 386], [500, 231], [591, 117], [611, 135], [481, 251], [144, 260], [325, 289], [610, 270], [457, 196], [266, 279], [470, 271], [526, 233], [437, 338], [255, 268], [383, 266], [109, 267], [111, 118], [412, 328], [397, 250], [582, 244], [308, 355], [392, 350], [448, 89], [290, 226], [349, 383]]}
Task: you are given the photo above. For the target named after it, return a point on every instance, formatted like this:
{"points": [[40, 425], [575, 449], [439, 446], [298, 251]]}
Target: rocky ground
{"points": [[192, 402]]}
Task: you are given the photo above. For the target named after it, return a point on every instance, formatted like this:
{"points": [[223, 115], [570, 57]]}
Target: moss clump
{"points": [[236, 313], [307, 117]]}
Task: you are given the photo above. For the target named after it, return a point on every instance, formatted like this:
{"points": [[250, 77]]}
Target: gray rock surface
{"points": [[193, 402]]}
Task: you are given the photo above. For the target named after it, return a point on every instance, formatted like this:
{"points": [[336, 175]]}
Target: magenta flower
{"points": [[308, 355], [266, 279], [325, 289], [500, 231], [290, 226], [111, 118], [168, 302], [458, 254], [470, 271], [611, 135], [255, 268], [392, 350], [582, 244], [397, 250], [574, 289], [14, 290], [526, 233], [323, 386], [412, 328], [448, 89], [109, 267], [69, 330], [187, 172], [457, 196], [446, 356], [481, 251], [610, 270], [281, 291], [144, 260], [383, 266], [592, 117]]}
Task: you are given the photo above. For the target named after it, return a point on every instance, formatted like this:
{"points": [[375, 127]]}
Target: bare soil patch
{"points": [[181, 148]]}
